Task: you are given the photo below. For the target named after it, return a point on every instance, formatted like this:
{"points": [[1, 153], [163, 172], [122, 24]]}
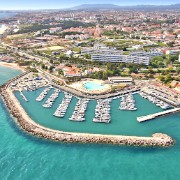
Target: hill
{"points": [[112, 6]]}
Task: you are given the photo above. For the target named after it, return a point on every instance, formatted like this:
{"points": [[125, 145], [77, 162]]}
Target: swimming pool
{"points": [[94, 86]]}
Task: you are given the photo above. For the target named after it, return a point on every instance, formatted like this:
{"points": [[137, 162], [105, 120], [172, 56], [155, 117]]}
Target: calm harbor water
{"points": [[123, 122], [26, 157]]}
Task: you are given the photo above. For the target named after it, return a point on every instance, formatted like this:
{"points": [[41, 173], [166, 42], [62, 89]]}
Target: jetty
{"points": [[153, 116], [102, 111], [127, 103], [43, 94], [79, 111], [23, 96], [50, 101], [63, 106]]}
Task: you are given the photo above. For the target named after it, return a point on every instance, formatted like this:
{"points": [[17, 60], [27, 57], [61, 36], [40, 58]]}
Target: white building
{"points": [[118, 58], [172, 52], [77, 36], [147, 54], [103, 51], [100, 48], [120, 80], [54, 30], [69, 53]]}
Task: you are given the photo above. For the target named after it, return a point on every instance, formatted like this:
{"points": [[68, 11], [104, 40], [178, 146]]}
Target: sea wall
{"points": [[28, 125]]}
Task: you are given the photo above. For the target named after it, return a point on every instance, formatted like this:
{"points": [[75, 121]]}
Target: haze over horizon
{"points": [[56, 4]]}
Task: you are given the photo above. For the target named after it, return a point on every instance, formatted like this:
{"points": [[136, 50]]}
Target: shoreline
{"points": [[28, 125], [12, 66], [3, 29]]}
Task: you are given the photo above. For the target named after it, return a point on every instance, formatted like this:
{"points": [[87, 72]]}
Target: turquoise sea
{"points": [[25, 157]]}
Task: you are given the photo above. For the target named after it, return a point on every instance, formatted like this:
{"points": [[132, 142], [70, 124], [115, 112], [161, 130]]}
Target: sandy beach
{"points": [[12, 65]]}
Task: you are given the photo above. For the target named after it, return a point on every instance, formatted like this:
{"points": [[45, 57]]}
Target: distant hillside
{"points": [[96, 6], [112, 6]]}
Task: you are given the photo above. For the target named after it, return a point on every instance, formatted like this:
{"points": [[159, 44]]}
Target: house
{"points": [[71, 72], [7, 59]]}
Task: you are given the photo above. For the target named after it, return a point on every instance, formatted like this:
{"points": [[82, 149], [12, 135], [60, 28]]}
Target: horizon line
{"points": [[69, 8]]}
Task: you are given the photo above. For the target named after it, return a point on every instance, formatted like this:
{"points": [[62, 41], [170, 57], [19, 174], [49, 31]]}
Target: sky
{"points": [[60, 4]]}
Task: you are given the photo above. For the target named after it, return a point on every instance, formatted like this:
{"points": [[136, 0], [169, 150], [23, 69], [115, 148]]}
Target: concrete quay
{"points": [[153, 116]]}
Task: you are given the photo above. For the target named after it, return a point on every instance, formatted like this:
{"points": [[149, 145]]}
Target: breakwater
{"points": [[28, 125]]}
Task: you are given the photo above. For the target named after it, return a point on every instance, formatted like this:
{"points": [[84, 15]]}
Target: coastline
{"points": [[12, 65], [3, 29], [28, 125]]}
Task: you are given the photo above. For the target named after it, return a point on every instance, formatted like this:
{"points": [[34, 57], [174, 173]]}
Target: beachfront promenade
{"points": [[155, 115], [28, 125]]}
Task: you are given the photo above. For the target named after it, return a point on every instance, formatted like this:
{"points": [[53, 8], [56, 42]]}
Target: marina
{"points": [[156, 101], [127, 103], [26, 123], [43, 94], [163, 93], [102, 111], [119, 119], [74, 108], [29, 82], [51, 99], [79, 111], [62, 108]]}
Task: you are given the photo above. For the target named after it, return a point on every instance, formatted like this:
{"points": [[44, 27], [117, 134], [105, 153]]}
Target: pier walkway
{"points": [[23, 96], [153, 116]]}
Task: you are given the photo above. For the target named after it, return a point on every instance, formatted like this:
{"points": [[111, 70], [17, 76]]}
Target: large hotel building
{"points": [[105, 54]]}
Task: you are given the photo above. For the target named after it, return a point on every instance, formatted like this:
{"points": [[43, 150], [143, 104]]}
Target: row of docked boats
{"points": [[156, 101], [50, 101], [79, 111], [102, 111], [43, 94], [62, 108], [127, 103]]}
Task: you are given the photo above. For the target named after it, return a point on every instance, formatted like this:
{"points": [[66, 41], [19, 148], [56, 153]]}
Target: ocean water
{"points": [[25, 157], [7, 74], [6, 15]]}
